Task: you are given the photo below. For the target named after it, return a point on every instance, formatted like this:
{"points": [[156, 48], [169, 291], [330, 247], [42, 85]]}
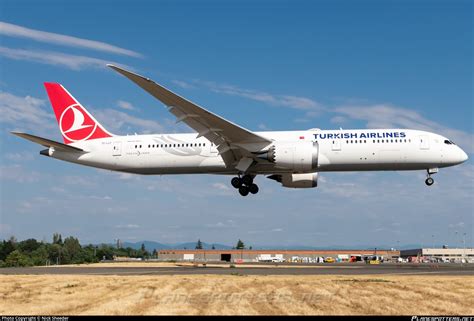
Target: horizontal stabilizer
{"points": [[48, 143]]}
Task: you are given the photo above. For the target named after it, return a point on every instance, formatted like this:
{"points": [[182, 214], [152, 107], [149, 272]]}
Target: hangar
{"points": [[455, 255], [245, 255]]}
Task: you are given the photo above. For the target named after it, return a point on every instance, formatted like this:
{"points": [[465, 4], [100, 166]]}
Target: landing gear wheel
{"points": [[429, 181], [244, 190], [247, 180], [236, 182], [253, 189]]}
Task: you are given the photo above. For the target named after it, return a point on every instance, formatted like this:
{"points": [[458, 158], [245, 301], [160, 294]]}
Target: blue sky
{"points": [[273, 65]]}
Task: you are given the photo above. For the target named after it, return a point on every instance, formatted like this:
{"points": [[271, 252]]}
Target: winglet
{"points": [[128, 74]]}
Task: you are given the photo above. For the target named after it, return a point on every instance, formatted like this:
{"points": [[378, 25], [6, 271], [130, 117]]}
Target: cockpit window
{"points": [[449, 142]]}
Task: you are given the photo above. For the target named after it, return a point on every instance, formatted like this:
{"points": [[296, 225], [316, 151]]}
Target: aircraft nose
{"points": [[463, 156]]}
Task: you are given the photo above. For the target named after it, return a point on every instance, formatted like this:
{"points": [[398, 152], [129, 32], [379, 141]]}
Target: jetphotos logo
{"points": [[75, 124]]}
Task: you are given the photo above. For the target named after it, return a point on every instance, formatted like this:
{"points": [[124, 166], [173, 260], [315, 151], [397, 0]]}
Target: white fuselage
{"points": [[338, 150]]}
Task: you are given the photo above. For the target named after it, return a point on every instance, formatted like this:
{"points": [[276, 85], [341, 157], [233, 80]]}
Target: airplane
{"points": [[292, 158]]}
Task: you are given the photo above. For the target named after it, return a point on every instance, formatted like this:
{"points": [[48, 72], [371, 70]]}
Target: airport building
{"points": [[456, 255], [245, 255]]}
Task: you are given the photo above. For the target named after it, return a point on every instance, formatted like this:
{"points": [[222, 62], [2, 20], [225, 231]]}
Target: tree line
{"points": [[31, 252]]}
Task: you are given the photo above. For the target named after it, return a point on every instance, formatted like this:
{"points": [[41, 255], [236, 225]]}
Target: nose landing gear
{"points": [[245, 185], [429, 180]]}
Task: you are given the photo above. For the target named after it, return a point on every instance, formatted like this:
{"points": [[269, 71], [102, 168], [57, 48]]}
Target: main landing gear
{"points": [[429, 180], [245, 185]]}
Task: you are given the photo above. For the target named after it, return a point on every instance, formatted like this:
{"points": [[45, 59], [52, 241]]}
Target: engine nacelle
{"points": [[47, 152], [297, 155], [308, 180]]}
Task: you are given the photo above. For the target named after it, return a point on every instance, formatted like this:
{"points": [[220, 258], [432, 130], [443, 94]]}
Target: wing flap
{"points": [[48, 143]]}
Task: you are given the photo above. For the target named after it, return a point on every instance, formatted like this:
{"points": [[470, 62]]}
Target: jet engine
{"points": [[308, 180], [297, 156]]}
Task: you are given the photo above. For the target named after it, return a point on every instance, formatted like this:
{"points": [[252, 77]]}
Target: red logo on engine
{"points": [[75, 124]]}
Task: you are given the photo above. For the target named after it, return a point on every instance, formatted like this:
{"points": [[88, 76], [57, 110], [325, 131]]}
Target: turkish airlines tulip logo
{"points": [[75, 124]]}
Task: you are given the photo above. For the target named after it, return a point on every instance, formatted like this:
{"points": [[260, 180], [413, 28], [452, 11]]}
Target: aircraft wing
{"points": [[48, 143], [232, 141]]}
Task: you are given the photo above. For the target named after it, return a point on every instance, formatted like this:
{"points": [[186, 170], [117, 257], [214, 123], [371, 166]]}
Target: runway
{"points": [[250, 269]]}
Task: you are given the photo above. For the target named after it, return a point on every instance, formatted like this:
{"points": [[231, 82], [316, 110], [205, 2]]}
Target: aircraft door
{"points": [[424, 142], [117, 149], [213, 149]]}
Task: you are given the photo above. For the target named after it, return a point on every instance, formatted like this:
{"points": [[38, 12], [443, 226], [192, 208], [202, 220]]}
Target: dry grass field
{"points": [[236, 294]]}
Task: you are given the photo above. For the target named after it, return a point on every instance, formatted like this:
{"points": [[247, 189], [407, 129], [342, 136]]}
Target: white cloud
{"points": [[126, 176], [125, 105], [54, 58], [339, 120], [84, 181], [221, 186], [223, 225], [25, 112], [20, 156], [117, 121], [388, 116], [11, 30], [182, 84], [294, 102], [459, 225], [127, 226], [18, 174]]}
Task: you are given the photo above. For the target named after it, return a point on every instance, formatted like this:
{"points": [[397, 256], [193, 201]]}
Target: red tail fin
{"points": [[75, 122]]}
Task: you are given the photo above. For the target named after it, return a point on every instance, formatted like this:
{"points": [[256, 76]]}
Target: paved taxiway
{"points": [[268, 269]]}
